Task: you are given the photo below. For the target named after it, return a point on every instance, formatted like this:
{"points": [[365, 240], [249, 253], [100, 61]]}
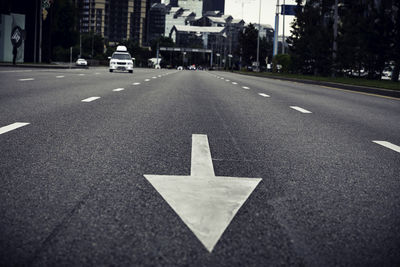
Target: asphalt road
{"points": [[73, 191]]}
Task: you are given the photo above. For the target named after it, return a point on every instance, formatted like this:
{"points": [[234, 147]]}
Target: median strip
{"points": [[302, 110], [388, 145], [13, 126]]}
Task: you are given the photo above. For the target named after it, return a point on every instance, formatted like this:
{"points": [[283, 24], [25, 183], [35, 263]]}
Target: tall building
{"points": [[195, 6], [213, 5], [108, 18], [156, 22]]}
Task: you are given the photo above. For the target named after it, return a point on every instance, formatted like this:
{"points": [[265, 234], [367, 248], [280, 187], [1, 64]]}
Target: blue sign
{"points": [[288, 10]]}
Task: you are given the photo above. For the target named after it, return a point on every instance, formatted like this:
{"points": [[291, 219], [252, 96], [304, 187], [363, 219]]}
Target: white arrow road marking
{"points": [[26, 79], [264, 95], [388, 145], [245, 87], [12, 127], [302, 110], [136, 83], [118, 89], [90, 99], [206, 203]]}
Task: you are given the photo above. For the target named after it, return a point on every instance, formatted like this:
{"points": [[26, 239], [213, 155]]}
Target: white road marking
{"points": [[81, 74], [60, 76], [264, 95], [26, 79], [147, 80], [90, 99], [234, 82], [227, 80], [118, 89], [159, 76], [388, 145], [245, 87], [154, 77], [97, 73], [206, 203], [302, 110], [135, 83], [12, 127]]}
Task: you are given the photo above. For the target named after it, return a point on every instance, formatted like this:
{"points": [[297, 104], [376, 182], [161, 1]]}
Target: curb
{"points": [[43, 66], [363, 89]]}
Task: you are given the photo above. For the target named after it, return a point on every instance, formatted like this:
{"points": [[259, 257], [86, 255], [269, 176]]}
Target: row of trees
{"points": [[368, 37]]}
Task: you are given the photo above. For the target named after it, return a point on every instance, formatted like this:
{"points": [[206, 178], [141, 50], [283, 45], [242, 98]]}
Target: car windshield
{"points": [[121, 56]]}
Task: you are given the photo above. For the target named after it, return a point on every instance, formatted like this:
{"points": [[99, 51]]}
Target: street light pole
{"points": [[335, 33], [258, 37], [283, 28], [275, 50]]}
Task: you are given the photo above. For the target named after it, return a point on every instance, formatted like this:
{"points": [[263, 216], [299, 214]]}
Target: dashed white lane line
{"points": [[227, 80], [81, 74], [245, 87], [302, 110], [135, 83], [90, 99], [154, 77], [26, 79], [388, 145], [264, 95], [118, 89], [234, 82], [12, 127], [159, 76], [60, 76], [97, 73]]}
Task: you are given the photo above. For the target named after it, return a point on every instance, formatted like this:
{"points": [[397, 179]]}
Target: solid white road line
{"points": [[234, 82], [302, 110], [147, 80], [90, 99], [60, 76], [26, 79], [264, 95], [12, 127], [118, 89], [245, 87], [135, 83], [388, 145]]}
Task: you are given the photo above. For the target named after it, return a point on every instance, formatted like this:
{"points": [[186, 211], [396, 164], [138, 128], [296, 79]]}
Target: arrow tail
{"points": [[201, 164]]}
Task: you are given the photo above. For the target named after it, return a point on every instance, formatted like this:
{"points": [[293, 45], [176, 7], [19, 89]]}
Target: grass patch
{"points": [[383, 84]]}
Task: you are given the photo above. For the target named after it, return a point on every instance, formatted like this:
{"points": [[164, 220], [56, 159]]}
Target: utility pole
{"points": [[258, 38], [275, 49], [37, 2], [40, 31], [283, 28], [335, 33]]}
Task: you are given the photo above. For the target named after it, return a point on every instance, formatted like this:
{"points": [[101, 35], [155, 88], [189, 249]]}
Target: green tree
{"points": [[64, 26], [248, 44]]}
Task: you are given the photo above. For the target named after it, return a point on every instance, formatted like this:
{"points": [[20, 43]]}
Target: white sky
{"points": [[250, 11]]}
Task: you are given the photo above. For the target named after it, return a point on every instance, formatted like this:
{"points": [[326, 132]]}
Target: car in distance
{"points": [[81, 62], [121, 60]]}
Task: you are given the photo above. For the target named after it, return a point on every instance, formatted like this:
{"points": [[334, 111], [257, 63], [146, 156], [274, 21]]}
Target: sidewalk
{"points": [[55, 65], [363, 89]]}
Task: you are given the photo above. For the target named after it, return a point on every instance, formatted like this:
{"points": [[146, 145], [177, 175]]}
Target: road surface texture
{"points": [[96, 167]]}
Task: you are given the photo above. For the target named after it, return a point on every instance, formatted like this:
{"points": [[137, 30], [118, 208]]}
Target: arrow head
{"points": [[205, 205]]}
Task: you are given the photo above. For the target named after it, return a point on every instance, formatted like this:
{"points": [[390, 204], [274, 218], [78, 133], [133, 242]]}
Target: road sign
{"points": [[288, 10], [206, 203], [16, 36]]}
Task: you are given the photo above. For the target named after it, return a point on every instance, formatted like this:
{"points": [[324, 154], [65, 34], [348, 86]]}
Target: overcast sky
{"points": [[250, 12]]}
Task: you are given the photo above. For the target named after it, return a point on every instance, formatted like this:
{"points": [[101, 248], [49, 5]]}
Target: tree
{"points": [[64, 26], [248, 44]]}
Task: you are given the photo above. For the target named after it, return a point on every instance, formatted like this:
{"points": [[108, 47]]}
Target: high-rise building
{"points": [[195, 6]]}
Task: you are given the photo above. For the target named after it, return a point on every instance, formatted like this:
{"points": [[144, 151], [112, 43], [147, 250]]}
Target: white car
{"points": [[121, 60], [81, 62]]}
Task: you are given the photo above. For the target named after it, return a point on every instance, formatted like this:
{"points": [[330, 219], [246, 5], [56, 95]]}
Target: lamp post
{"points": [[275, 49], [258, 38]]}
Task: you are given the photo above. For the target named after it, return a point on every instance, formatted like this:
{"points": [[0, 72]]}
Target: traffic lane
{"points": [[44, 95], [343, 182], [377, 113], [48, 170], [126, 221], [181, 104]]}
